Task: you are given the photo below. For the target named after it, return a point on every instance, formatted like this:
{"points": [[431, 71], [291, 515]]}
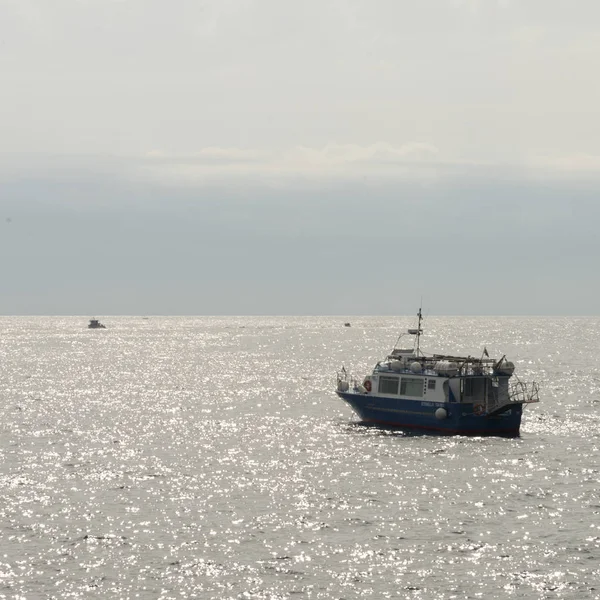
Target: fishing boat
{"points": [[440, 393], [95, 324]]}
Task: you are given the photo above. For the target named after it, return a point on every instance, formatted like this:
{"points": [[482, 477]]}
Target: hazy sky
{"points": [[314, 157]]}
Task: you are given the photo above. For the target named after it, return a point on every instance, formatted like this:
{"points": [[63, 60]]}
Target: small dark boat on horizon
{"points": [[95, 324]]}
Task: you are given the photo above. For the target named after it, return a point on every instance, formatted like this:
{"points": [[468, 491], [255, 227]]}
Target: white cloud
{"points": [[335, 163], [332, 161], [571, 164], [378, 162], [207, 156], [380, 152]]}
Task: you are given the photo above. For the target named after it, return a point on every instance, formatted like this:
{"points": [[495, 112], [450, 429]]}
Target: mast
{"points": [[419, 329]]}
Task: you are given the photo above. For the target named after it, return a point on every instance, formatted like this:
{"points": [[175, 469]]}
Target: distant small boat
{"points": [[347, 325], [95, 324]]}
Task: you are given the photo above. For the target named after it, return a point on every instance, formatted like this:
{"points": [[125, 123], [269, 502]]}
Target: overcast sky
{"points": [[314, 157]]}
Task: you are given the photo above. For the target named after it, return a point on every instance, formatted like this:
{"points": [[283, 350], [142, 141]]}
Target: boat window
{"points": [[411, 386], [431, 384], [468, 387], [388, 385]]}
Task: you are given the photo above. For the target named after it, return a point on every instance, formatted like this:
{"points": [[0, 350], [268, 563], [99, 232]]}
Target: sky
{"points": [[321, 157]]}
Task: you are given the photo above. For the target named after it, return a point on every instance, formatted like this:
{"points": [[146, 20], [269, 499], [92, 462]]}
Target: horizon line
{"points": [[341, 315]]}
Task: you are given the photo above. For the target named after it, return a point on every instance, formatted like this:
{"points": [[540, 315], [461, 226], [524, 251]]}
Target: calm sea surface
{"points": [[169, 458]]}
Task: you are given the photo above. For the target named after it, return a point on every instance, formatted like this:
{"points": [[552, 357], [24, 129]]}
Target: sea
{"points": [[209, 457]]}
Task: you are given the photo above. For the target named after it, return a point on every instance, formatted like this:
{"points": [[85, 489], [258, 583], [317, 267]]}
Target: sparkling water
{"points": [[168, 458]]}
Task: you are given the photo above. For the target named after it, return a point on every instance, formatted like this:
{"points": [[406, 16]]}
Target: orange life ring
{"points": [[478, 409], [367, 385]]}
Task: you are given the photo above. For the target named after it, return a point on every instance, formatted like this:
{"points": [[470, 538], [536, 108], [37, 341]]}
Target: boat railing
{"points": [[347, 382], [428, 368], [344, 380], [475, 371], [524, 392], [519, 392]]}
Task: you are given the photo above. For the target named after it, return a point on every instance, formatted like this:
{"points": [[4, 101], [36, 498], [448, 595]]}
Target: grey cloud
{"points": [[470, 246]]}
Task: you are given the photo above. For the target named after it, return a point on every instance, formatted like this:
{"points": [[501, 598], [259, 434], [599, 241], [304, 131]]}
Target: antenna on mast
{"points": [[419, 330]]}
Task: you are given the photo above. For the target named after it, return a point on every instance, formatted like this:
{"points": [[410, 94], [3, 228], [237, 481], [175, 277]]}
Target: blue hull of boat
{"points": [[416, 415]]}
